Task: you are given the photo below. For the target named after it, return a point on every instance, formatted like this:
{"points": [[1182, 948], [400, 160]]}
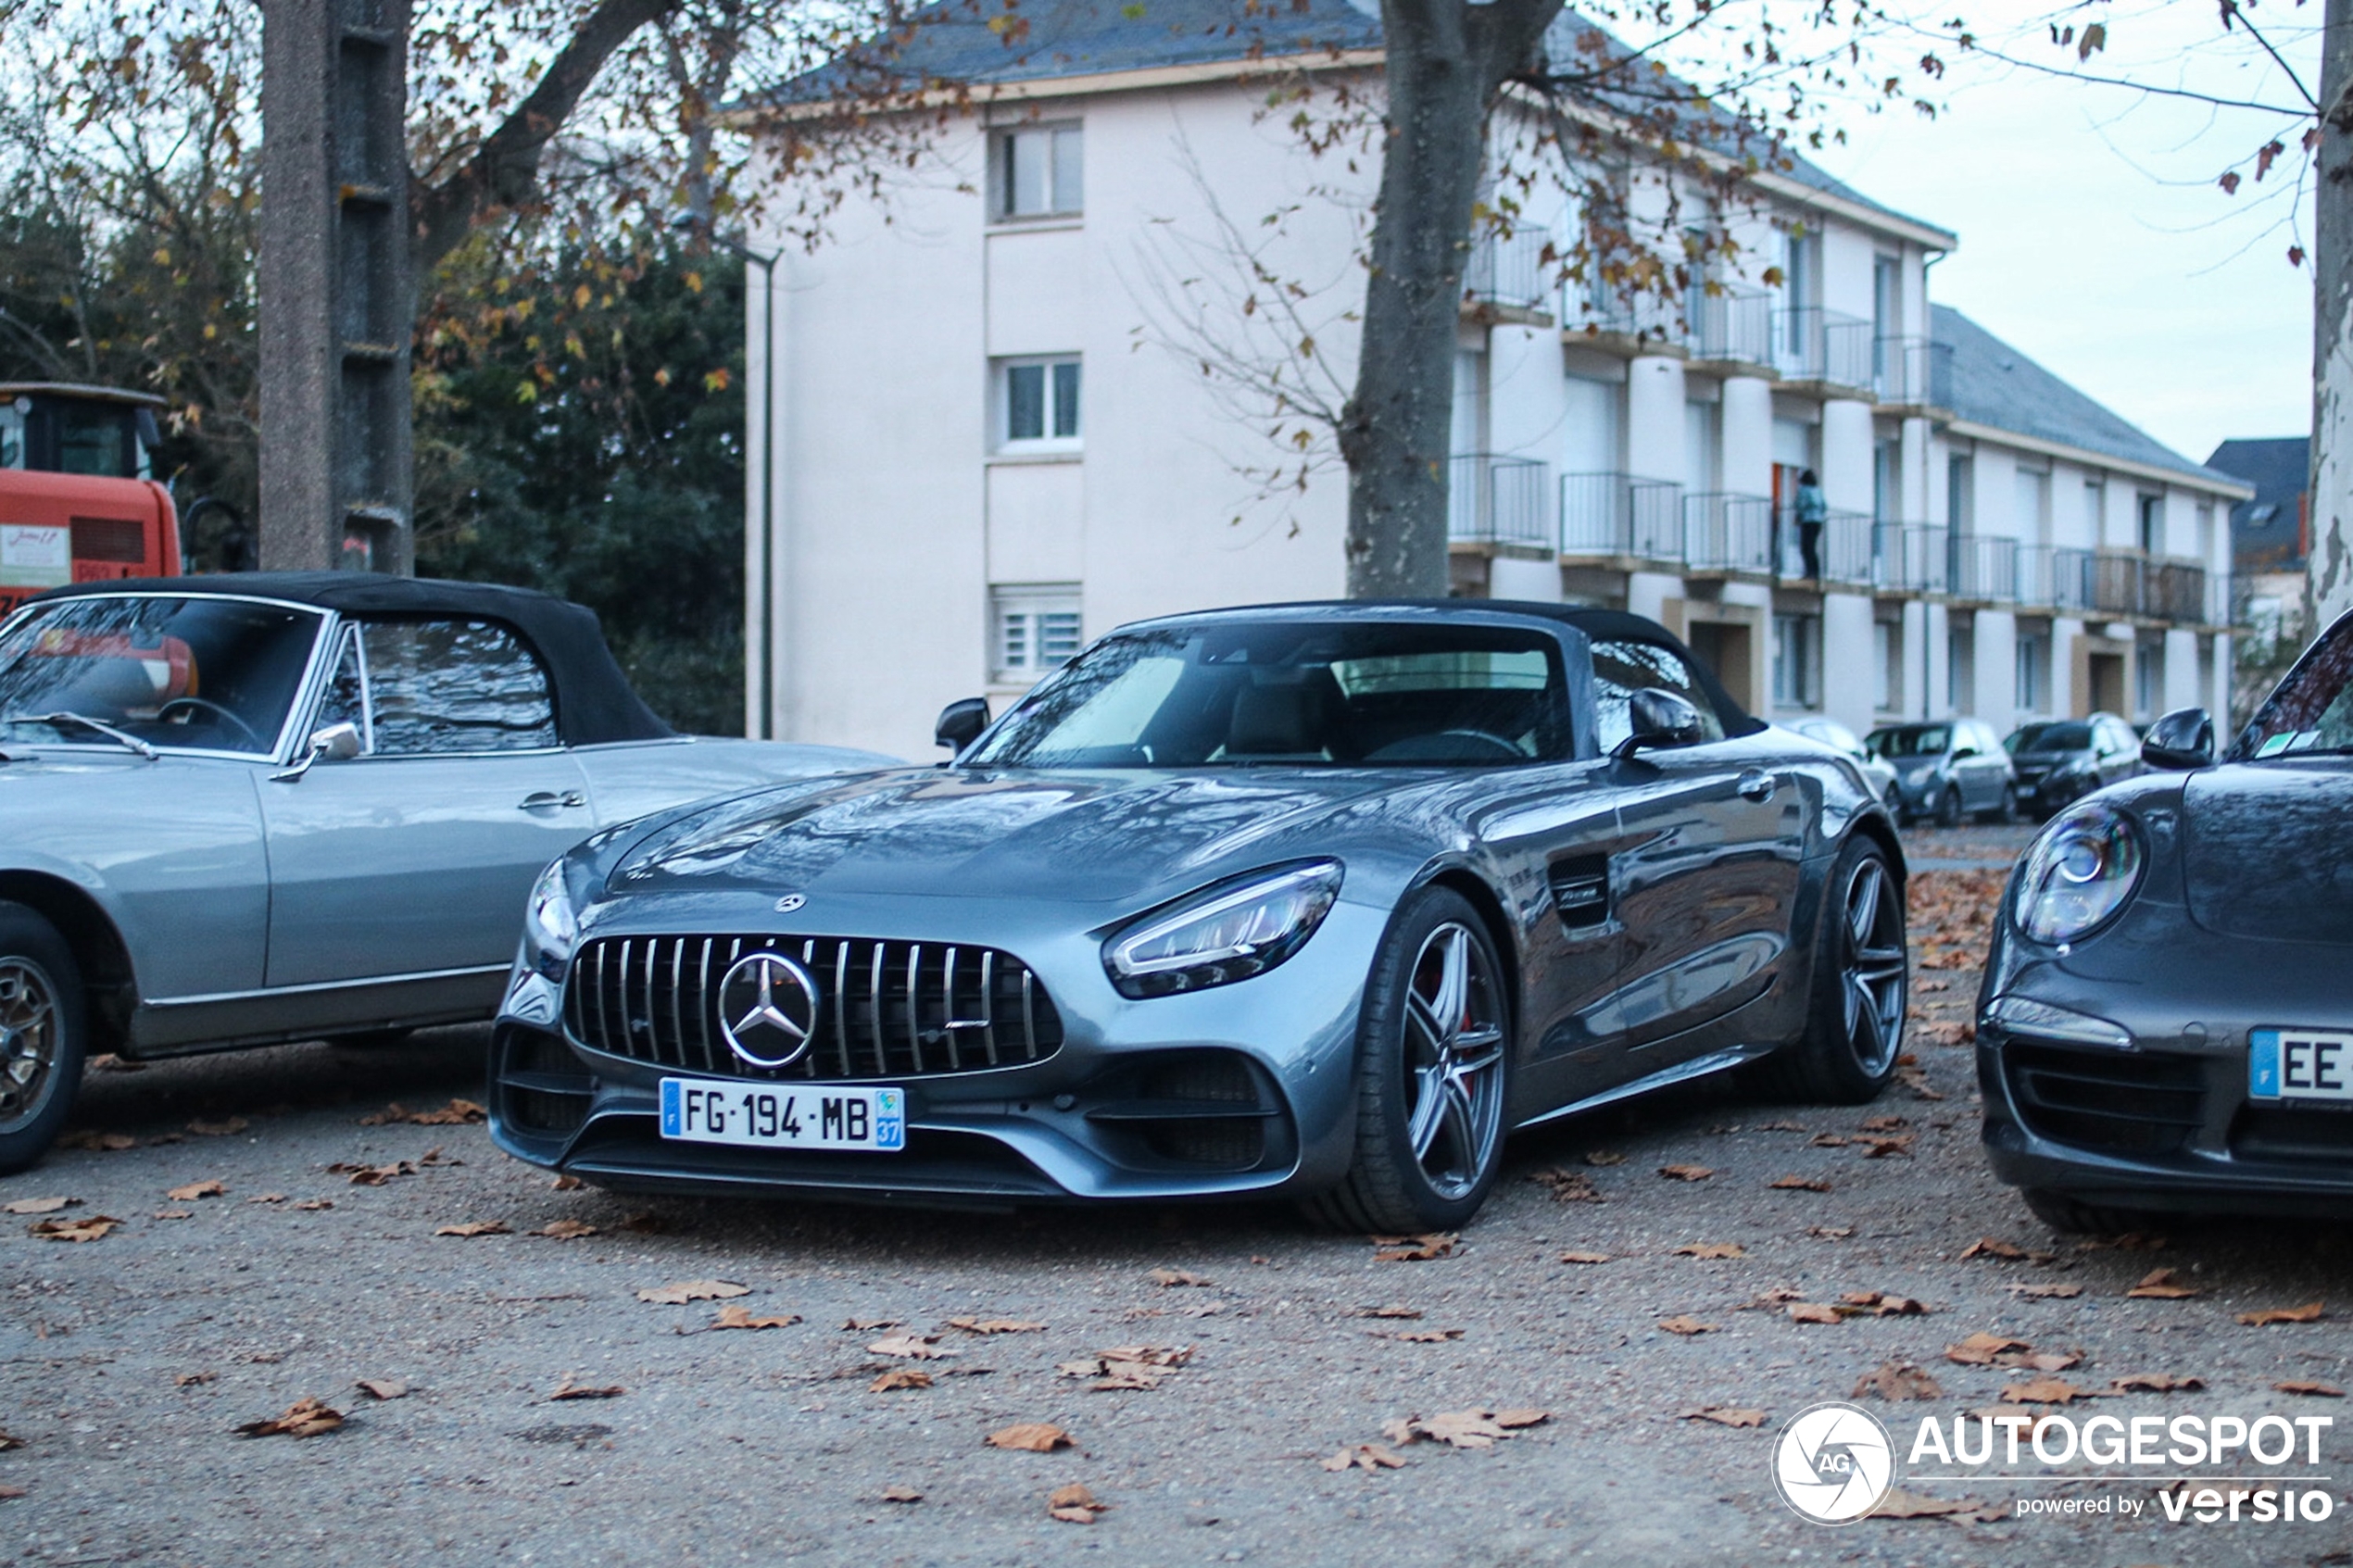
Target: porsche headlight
{"points": [[2079, 874], [550, 925], [1224, 933]]}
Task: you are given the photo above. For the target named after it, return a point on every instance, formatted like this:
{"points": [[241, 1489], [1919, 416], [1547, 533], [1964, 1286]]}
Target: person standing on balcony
{"points": [[1813, 510]]}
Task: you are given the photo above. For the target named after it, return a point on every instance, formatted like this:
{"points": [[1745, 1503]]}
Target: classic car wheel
{"points": [[1948, 806], [1431, 1074], [41, 1034], [2071, 1216], [1854, 1016]]}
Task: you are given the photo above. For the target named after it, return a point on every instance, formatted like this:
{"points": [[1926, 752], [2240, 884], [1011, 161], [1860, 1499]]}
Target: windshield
{"points": [[1927, 740], [201, 674], [2312, 709], [2065, 735], [1293, 694]]}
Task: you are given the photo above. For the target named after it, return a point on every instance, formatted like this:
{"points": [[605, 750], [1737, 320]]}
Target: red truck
{"points": [[76, 501]]}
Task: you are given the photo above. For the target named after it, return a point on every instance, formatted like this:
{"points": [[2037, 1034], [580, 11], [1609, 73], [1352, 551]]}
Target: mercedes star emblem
{"points": [[790, 902], [767, 1010]]}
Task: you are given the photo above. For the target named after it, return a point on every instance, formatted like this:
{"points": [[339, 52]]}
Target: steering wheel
{"points": [[201, 705]]}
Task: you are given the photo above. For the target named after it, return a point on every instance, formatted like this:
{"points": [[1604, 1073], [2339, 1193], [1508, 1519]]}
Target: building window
{"points": [[2148, 679], [2034, 692], [1039, 404], [2033, 505], [2152, 522], [1960, 670], [1960, 505], [1797, 660], [1037, 171], [1033, 629], [1887, 666], [2096, 511]]}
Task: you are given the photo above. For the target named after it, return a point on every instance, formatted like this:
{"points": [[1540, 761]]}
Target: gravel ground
{"points": [[127, 1362]]}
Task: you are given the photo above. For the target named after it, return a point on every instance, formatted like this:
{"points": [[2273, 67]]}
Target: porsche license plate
{"points": [[774, 1116], [2299, 1064]]}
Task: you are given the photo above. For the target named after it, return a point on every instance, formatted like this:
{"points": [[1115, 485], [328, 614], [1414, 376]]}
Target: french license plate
{"points": [[2299, 1064], [773, 1116]]}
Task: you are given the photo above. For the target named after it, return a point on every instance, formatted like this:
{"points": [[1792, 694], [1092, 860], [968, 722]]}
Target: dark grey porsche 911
{"points": [[1318, 900]]}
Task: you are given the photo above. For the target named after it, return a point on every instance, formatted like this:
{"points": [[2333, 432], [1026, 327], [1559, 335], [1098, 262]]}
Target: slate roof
{"points": [[2266, 531], [1986, 382]]}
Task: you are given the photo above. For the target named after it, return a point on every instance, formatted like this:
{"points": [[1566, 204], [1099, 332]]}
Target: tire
{"points": [[1433, 1063], [2006, 811], [2071, 1216], [43, 1035], [1860, 989], [1948, 806]]}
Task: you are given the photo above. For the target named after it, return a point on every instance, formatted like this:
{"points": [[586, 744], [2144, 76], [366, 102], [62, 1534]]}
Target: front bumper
{"points": [[1240, 1089]]}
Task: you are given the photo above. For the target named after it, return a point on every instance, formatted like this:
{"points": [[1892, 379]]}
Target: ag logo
{"points": [[1832, 1464], [767, 1010]]}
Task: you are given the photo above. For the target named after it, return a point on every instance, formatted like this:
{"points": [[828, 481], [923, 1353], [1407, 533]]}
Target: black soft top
{"points": [[593, 702]]}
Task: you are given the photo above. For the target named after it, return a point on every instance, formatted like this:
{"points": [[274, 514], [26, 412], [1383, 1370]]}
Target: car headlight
{"points": [[2079, 874], [1223, 933], [550, 925]]}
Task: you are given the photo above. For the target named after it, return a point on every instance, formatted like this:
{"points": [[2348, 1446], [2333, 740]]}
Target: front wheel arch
{"points": [[110, 984]]}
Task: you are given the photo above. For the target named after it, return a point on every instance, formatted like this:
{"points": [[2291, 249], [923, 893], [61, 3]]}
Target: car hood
{"points": [[1109, 837], [2267, 855]]}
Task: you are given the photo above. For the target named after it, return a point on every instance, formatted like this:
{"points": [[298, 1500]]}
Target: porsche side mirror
{"points": [[2184, 739], [1657, 718], [960, 723], [332, 743]]}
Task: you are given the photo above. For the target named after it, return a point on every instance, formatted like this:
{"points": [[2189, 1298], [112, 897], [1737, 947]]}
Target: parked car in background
{"points": [[1947, 770], [1312, 901], [2059, 761], [1838, 737], [2166, 1021], [283, 805]]}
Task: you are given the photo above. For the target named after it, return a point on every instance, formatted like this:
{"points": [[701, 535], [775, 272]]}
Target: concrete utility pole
{"points": [[334, 297], [2329, 571]]}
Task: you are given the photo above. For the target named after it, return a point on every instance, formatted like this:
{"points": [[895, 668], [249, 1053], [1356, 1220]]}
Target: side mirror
{"points": [[960, 723], [1657, 719], [333, 742], [2184, 739], [1960, 752]]}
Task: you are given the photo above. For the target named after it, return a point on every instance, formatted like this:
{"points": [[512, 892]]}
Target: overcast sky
{"points": [[2093, 234]]}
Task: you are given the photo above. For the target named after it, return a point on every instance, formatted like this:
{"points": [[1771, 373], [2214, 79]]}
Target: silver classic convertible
{"points": [[275, 807], [1318, 900]]}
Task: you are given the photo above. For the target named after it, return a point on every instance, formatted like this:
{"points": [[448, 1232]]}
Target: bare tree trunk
{"points": [[1446, 59], [2329, 583]]}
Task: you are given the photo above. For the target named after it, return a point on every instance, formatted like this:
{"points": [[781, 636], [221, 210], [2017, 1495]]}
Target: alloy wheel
{"points": [[1454, 1061], [1873, 971], [28, 1035]]}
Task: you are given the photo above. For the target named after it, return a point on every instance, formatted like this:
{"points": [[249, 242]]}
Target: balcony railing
{"points": [[1727, 532], [1598, 309], [1500, 500], [1734, 325], [1811, 344], [1914, 370], [1509, 271], [1909, 556], [1620, 516], [1983, 568]]}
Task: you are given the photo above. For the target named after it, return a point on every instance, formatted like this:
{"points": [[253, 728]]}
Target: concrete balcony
{"points": [[1728, 534], [1830, 351], [1494, 500], [1621, 520], [1508, 281], [1731, 330], [1844, 549], [1982, 569], [1912, 374], [1909, 558], [1595, 315]]}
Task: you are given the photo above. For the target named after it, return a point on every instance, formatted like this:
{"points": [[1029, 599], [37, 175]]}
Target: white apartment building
{"points": [[996, 439]]}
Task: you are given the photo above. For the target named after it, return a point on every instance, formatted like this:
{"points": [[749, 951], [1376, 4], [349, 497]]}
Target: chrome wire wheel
{"points": [[1873, 969], [30, 1034], [1453, 1062]]}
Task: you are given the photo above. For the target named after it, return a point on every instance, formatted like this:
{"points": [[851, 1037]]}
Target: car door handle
{"points": [[1757, 784], [547, 799]]}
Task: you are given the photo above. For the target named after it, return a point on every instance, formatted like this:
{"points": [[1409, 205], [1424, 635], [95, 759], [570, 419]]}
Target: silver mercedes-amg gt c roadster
{"points": [[1318, 900]]}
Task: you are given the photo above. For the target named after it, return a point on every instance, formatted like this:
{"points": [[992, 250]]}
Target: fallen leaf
{"points": [[371, 1175], [2042, 1391], [1365, 1456], [1463, 1429], [1389, 1312], [1170, 1279], [267, 1197], [1880, 1148], [1881, 1304], [902, 1493], [646, 1224], [1980, 1349], [2048, 1292], [1725, 1415], [1813, 1311], [304, 1418], [867, 1325], [174, 1214], [565, 1230], [1685, 1173], [1126, 1367], [1884, 1123], [1584, 1256], [2041, 1361], [1030, 1437], [571, 1390], [1074, 1504], [1772, 1300], [2156, 1383], [41, 1205], [1829, 1140], [1569, 1186], [2309, 1313], [113, 1143], [7, 1442], [569, 1183], [1684, 1323], [2311, 1385], [1779, 1127], [89, 1229], [996, 1325], [315, 1204], [12, 1492], [433, 1156], [1426, 1336], [693, 1290], [1413, 1248], [913, 1346], [900, 1378], [735, 1315], [476, 1227], [383, 1387], [1713, 1250], [457, 1113], [1901, 1504], [1898, 1380], [2162, 1284], [1603, 1156], [235, 1124], [1992, 1247], [1800, 1184], [189, 1379], [1915, 1080], [1829, 1233]]}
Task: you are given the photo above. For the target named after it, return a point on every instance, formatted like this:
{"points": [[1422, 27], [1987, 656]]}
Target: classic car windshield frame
{"points": [[304, 691]]}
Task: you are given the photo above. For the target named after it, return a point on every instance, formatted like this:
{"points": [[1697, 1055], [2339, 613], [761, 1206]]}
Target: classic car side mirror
{"points": [[1658, 718], [333, 742], [2184, 739], [960, 723], [1961, 751]]}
